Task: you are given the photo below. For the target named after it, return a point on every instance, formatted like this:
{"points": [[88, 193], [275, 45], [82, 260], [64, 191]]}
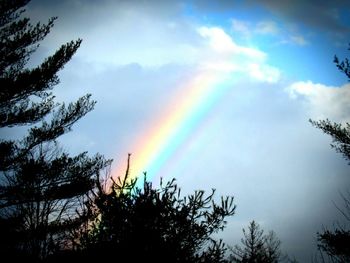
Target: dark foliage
{"points": [[339, 134], [335, 243], [154, 225], [344, 65], [41, 187]]}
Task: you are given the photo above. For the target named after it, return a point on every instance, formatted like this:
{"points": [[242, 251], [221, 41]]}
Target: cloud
{"points": [[324, 15], [323, 101], [299, 40], [242, 27], [225, 55], [263, 72], [328, 17], [282, 34], [223, 43], [138, 34], [267, 28], [153, 36], [121, 32]]}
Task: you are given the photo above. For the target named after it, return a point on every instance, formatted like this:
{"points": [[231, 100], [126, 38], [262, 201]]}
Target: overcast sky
{"points": [[217, 94]]}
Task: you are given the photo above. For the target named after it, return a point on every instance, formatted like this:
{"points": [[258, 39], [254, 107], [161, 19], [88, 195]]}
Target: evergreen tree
{"points": [[41, 186], [155, 225], [339, 133], [336, 243], [257, 247]]}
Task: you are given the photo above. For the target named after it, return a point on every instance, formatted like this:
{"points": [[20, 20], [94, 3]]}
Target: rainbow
{"points": [[186, 112]]}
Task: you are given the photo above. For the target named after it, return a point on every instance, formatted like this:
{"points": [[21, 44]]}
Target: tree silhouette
{"points": [[336, 243], [339, 134], [257, 247], [344, 65], [41, 186], [155, 225]]}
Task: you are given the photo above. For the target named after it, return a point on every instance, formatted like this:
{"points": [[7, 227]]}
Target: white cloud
{"points": [[323, 101], [129, 33], [294, 40], [267, 28], [226, 55], [223, 43], [299, 40], [264, 72], [283, 34], [242, 27]]}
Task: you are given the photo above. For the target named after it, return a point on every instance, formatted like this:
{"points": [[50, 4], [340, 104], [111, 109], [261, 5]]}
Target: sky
{"points": [[217, 94]]}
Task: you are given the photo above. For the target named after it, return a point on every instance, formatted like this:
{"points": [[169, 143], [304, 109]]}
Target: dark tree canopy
{"points": [[335, 243], [340, 135], [155, 225], [344, 65], [41, 186]]}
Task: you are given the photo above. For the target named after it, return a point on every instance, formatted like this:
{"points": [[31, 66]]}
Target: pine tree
{"points": [[257, 247], [41, 186], [339, 133], [335, 243], [155, 225]]}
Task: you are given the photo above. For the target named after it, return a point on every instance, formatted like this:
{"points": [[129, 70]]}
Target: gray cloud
{"points": [[324, 15], [327, 16], [121, 32]]}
